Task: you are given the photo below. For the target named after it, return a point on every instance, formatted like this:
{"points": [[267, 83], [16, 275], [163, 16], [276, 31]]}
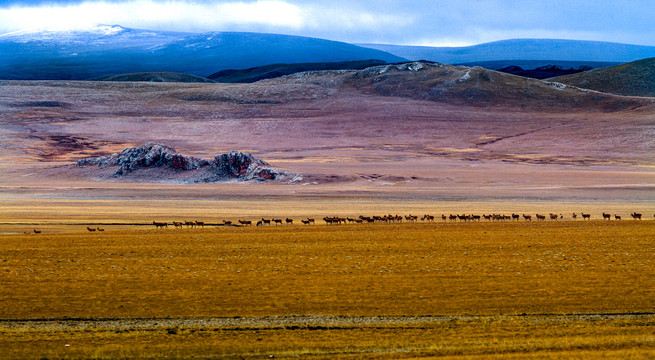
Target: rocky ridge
{"points": [[161, 163]]}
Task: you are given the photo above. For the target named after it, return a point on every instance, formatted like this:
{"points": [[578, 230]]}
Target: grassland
{"points": [[565, 289]]}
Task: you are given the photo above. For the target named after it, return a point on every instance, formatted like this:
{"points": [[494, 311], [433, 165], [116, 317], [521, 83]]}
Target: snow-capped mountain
{"points": [[111, 49]]}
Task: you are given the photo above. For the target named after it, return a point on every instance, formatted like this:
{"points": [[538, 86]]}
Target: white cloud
{"points": [[172, 15]]}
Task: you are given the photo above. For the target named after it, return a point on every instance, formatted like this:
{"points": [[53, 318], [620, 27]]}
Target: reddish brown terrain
{"points": [[414, 132]]}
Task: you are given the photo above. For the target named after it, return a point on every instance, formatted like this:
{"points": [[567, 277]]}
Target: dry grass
{"points": [[495, 271]]}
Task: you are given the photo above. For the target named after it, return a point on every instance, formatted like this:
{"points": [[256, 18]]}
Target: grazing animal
{"points": [[159, 224], [585, 216], [99, 229], [541, 217], [443, 217], [527, 217], [277, 221], [636, 216], [515, 217], [178, 224], [259, 223], [200, 223], [189, 223], [90, 229], [266, 222], [574, 216], [289, 221], [37, 231], [617, 217], [553, 216], [227, 222], [606, 216], [245, 222], [311, 220], [306, 222]]}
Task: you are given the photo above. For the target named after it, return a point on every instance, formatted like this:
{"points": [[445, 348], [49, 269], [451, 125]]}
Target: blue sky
{"points": [[418, 22]]}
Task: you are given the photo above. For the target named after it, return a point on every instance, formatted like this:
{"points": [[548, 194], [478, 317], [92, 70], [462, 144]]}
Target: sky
{"points": [[404, 22]]}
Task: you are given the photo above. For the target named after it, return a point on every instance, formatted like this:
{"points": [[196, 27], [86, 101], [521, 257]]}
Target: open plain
{"points": [[409, 139]]}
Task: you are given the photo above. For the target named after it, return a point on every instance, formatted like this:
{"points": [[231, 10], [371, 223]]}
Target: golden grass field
{"points": [[548, 289]]}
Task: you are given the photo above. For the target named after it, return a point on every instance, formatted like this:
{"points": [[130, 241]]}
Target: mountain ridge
{"points": [[111, 49], [523, 49]]}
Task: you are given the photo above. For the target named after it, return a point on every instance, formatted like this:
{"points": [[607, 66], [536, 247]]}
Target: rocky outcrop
{"points": [[161, 163]]}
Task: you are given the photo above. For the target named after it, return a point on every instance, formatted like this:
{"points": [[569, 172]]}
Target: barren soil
{"points": [[347, 141]]}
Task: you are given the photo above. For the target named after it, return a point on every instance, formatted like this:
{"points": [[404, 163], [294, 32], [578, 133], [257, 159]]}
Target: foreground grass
{"points": [[496, 271], [557, 337]]}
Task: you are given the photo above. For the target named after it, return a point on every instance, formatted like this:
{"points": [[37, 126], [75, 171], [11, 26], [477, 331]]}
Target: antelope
{"points": [[277, 221], [227, 222], [178, 224], [443, 217], [311, 220], [289, 221], [266, 222], [259, 223], [527, 217], [606, 216], [553, 216], [157, 225], [37, 231], [585, 216], [245, 222], [306, 222], [617, 217], [189, 223], [515, 217], [636, 216], [541, 217], [90, 229], [99, 229]]}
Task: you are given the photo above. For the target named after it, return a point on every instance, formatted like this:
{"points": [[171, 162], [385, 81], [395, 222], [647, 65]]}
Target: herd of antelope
{"points": [[336, 220]]}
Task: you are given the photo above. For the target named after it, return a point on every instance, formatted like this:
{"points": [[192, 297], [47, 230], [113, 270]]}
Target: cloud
{"points": [[437, 22], [149, 13]]}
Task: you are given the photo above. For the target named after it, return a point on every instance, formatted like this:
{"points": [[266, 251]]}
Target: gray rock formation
{"points": [[158, 162]]}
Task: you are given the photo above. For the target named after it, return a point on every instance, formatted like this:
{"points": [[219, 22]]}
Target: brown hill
{"points": [[420, 80], [478, 87], [636, 78]]}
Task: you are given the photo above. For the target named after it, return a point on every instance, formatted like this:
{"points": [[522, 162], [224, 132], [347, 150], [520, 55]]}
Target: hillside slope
{"points": [[156, 77], [277, 70], [636, 78]]}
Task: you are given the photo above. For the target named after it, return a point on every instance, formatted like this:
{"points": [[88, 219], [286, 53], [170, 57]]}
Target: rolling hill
{"points": [[553, 50], [156, 77], [636, 78], [110, 50], [277, 70]]}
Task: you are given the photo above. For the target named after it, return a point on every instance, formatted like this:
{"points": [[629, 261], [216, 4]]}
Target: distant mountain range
{"points": [[105, 51], [552, 50], [111, 50]]}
